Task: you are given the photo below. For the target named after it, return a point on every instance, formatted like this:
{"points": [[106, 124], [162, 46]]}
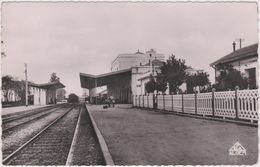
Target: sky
{"points": [[69, 38]]}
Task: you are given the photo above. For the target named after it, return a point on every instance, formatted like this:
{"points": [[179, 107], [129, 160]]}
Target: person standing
{"points": [[112, 100]]}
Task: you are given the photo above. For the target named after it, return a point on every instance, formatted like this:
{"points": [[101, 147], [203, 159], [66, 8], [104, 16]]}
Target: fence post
{"points": [[236, 101], [148, 100], [195, 102], [163, 103], [139, 101], [182, 102], [136, 100], [154, 101], [133, 100], [172, 102], [143, 101], [213, 102]]}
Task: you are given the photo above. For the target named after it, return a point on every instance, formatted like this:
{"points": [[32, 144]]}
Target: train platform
{"points": [[11, 110], [145, 137]]}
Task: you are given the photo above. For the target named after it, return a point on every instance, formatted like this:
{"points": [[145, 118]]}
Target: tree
{"points": [[11, 84], [190, 81], [73, 98], [54, 77], [161, 83], [229, 78], [20, 89], [174, 72], [151, 85], [7, 85], [200, 79]]}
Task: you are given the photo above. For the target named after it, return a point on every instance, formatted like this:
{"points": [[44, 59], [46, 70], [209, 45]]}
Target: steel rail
{"points": [[5, 130], [29, 113], [17, 114], [9, 157]]}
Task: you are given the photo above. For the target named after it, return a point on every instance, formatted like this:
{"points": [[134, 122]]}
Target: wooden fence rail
{"points": [[238, 104]]}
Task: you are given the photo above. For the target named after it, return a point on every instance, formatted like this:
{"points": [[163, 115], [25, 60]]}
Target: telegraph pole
{"points": [[240, 40], [26, 86]]}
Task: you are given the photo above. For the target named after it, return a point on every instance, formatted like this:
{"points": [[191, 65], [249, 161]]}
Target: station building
{"points": [[42, 94], [127, 76], [244, 60], [128, 60]]}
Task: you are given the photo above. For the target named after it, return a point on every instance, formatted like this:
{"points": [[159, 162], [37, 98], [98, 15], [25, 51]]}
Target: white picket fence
{"points": [[239, 104]]}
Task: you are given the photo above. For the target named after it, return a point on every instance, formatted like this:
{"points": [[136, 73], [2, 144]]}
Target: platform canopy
{"points": [[89, 81], [49, 85]]}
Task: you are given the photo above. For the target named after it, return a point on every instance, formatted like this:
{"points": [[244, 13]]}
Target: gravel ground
{"points": [[142, 137], [87, 150], [52, 147], [19, 136]]}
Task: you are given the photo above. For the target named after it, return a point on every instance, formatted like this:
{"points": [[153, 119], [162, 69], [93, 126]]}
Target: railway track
{"points": [[50, 146], [22, 120], [15, 116]]}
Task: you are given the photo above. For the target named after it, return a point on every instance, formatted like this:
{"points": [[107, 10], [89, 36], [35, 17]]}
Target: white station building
{"points": [[128, 75], [42, 94]]}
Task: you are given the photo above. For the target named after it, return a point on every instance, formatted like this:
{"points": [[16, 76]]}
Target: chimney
{"points": [[234, 46]]}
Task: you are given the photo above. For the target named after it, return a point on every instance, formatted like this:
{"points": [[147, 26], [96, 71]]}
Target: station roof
{"points": [[89, 81], [49, 85], [245, 52]]}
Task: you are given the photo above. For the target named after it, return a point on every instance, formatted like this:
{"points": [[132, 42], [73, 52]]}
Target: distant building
{"points": [[192, 71], [85, 93], [244, 60], [141, 75], [41, 94], [61, 95], [127, 77], [38, 94], [126, 61]]}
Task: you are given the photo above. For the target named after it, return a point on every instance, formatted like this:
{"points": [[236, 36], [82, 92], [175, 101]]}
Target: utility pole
{"points": [[2, 53], [26, 86], [240, 40]]}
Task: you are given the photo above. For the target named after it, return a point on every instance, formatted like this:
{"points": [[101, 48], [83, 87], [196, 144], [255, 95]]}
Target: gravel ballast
{"points": [[87, 150], [52, 146], [21, 121], [19, 136]]}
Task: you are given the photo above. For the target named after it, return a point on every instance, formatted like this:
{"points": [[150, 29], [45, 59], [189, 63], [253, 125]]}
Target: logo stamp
{"points": [[237, 149]]}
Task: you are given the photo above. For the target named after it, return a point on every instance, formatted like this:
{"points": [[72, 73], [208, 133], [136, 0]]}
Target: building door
{"points": [[31, 99], [251, 78]]}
